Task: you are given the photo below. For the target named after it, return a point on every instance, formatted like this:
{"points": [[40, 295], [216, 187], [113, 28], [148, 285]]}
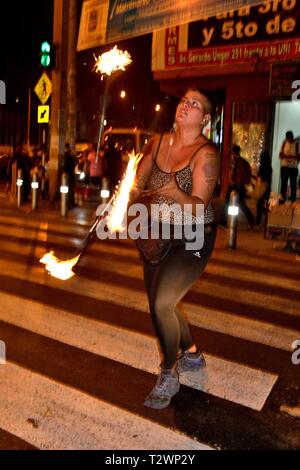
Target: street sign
{"points": [[43, 114], [43, 88]]}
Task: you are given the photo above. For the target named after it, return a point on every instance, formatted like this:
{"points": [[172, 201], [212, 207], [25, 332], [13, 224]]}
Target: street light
{"points": [[106, 64], [123, 94], [157, 108]]}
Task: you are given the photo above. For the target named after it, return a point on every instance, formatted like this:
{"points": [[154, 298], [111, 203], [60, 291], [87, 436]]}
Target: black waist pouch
{"points": [[153, 247]]}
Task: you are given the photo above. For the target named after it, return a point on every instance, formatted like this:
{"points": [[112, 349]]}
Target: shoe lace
{"points": [[162, 383]]}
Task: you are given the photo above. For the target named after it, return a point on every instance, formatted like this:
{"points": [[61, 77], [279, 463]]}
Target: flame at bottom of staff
{"points": [[59, 269]]}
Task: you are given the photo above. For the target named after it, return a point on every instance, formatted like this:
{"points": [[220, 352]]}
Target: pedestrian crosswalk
{"points": [[81, 354]]}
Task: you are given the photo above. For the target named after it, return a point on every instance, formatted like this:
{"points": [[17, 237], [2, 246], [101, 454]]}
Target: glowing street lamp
{"points": [[157, 108], [123, 94], [106, 64]]}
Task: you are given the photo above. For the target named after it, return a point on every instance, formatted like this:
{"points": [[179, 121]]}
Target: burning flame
{"points": [[59, 269], [113, 60], [116, 216]]}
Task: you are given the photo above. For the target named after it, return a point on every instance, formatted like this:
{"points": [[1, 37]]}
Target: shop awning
{"points": [[107, 21]]}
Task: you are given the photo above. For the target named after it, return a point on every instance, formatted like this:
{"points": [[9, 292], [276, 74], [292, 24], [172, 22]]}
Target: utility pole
{"points": [[28, 120], [59, 93], [72, 75]]}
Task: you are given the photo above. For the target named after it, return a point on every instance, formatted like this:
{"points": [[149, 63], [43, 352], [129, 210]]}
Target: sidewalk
{"points": [[50, 210]]}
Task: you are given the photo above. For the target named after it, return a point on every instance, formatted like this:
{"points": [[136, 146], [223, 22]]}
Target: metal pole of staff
{"points": [[232, 222], [93, 228], [103, 101]]}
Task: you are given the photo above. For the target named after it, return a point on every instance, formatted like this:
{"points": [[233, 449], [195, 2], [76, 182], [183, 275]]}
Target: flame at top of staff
{"points": [[113, 60], [116, 216]]}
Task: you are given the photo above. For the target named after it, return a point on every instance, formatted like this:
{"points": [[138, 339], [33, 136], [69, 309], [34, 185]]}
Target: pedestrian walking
{"points": [[240, 178], [262, 187], [289, 158]]}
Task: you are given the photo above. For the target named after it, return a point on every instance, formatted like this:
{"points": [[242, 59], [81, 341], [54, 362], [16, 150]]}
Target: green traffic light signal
{"points": [[45, 47], [45, 54]]}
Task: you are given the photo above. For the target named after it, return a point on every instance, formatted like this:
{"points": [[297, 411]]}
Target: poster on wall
{"points": [[92, 30]]}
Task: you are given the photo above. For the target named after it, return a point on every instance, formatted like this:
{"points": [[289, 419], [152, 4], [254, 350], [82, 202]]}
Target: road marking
{"points": [[53, 416], [226, 379], [214, 320]]}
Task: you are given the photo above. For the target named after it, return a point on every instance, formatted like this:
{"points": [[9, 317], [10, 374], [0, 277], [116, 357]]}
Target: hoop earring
{"points": [[172, 131]]}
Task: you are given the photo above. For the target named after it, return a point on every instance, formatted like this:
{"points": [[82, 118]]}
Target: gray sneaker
{"points": [[189, 362], [166, 387]]}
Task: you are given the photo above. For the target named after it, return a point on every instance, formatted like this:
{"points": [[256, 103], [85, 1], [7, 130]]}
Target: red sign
{"points": [[264, 51]]}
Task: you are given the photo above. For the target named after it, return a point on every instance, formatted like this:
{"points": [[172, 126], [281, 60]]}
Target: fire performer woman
{"points": [[180, 168]]}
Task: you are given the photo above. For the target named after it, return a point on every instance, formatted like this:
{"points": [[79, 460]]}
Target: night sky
{"points": [[25, 24]]}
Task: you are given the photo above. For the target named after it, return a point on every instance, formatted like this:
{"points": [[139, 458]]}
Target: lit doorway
{"points": [[287, 118]]}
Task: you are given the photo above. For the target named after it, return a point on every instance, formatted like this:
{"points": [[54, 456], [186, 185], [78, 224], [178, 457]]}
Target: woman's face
{"points": [[190, 111]]}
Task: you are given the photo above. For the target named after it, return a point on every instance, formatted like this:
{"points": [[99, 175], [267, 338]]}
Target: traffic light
{"points": [[47, 53]]}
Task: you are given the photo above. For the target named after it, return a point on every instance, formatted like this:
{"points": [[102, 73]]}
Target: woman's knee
{"points": [[161, 308]]}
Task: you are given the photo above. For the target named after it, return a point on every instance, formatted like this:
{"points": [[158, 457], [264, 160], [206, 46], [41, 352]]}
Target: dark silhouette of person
{"points": [[265, 174], [240, 177], [69, 169], [113, 160], [289, 157]]}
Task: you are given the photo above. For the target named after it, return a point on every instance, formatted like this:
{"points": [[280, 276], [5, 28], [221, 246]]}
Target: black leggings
{"points": [[166, 284]]}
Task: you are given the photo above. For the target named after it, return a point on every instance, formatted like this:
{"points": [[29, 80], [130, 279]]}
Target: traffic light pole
{"points": [[59, 93], [28, 120], [72, 75]]}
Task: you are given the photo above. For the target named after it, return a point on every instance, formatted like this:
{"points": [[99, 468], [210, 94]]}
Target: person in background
{"points": [[240, 177], [96, 165], [289, 158], [69, 169], [113, 160], [265, 176]]}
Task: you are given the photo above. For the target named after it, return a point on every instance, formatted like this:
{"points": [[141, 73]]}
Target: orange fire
{"points": [[59, 269], [116, 216], [63, 269]]}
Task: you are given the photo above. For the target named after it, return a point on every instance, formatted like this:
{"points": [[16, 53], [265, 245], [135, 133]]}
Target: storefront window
{"points": [[249, 130]]}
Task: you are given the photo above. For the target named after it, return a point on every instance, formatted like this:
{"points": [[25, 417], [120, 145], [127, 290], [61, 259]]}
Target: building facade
{"points": [[248, 61]]}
